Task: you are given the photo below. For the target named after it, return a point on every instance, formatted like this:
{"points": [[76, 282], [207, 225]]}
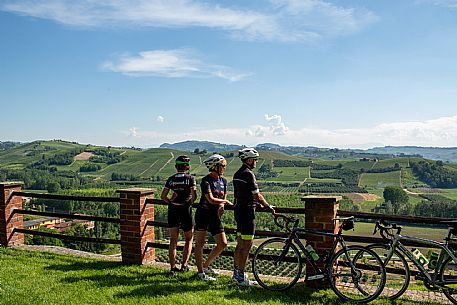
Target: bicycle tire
{"points": [[362, 285], [275, 269], [447, 270], [398, 273]]}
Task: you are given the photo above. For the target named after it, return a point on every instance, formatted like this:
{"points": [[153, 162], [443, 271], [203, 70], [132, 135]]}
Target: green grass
{"points": [[449, 193], [380, 180], [44, 278]]}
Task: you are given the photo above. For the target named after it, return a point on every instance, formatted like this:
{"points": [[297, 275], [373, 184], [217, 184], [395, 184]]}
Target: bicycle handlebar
{"points": [[385, 229], [287, 220]]}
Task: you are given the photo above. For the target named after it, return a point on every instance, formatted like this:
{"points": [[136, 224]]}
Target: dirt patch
{"points": [[84, 156], [361, 197]]}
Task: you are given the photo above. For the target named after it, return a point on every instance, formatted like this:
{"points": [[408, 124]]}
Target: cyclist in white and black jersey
{"points": [[184, 194], [208, 216], [247, 197]]}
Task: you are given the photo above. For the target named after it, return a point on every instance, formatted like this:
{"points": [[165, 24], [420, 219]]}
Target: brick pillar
{"points": [[135, 234], [8, 222], [319, 214]]}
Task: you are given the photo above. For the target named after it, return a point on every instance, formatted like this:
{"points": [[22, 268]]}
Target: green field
{"points": [[380, 180], [428, 232]]}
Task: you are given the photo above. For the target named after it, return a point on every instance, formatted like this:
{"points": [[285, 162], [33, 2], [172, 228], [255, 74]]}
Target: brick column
{"points": [[135, 234], [319, 214], [8, 222]]}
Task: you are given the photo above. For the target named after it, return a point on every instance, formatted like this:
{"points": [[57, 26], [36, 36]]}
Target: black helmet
{"points": [[183, 160]]}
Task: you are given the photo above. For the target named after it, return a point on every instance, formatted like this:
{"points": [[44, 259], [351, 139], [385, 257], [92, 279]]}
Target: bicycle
{"points": [[441, 275], [353, 272]]}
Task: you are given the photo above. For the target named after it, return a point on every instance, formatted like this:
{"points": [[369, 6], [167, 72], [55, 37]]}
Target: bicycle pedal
{"points": [[315, 277]]}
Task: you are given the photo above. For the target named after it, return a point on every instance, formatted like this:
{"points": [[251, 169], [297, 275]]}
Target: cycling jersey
{"points": [[245, 186], [182, 185], [218, 188]]}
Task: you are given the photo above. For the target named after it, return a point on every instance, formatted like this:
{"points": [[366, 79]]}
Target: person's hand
{"points": [[227, 202]]}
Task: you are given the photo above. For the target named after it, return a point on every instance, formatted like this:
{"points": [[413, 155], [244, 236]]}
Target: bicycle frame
{"points": [[396, 243], [294, 237]]}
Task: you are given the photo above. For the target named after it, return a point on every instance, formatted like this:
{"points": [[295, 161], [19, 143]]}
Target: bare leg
{"points": [[245, 246], [221, 244], [236, 253], [174, 232], [189, 235], [199, 244]]}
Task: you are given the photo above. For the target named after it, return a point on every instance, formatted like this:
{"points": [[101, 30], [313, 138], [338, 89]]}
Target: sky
{"points": [[326, 73]]}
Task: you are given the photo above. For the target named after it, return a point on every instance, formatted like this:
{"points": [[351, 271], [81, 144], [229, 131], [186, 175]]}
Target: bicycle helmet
{"points": [[183, 160], [248, 152], [213, 161]]}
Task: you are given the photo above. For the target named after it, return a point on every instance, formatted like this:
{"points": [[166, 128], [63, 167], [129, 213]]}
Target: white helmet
{"points": [[248, 153], [214, 161]]}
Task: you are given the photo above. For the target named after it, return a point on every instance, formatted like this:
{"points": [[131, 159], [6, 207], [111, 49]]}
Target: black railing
{"points": [[67, 216]]}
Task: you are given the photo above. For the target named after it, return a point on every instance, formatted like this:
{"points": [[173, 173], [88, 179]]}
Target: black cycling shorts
{"points": [[245, 222], [208, 220], [180, 217]]}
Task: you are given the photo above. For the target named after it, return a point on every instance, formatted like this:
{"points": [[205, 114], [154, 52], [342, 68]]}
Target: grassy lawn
{"points": [[31, 277]]}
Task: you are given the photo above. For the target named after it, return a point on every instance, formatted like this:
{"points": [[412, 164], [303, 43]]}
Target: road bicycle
{"points": [[354, 273], [438, 275]]}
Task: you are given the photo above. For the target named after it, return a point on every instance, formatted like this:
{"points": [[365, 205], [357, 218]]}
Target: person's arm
{"points": [[213, 200], [194, 195], [193, 189], [260, 199], [164, 195]]}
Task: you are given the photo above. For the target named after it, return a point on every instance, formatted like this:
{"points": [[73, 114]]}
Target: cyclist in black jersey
{"points": [[208, 215], [247, 197], [184, 194]]}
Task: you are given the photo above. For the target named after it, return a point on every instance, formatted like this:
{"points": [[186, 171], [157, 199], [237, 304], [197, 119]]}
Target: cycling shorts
{"points": [[245, 222], [208, 220], [180, 216]]}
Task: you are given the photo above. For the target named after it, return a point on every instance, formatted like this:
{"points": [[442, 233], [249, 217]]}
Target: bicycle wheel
{"points": [[397, 271], [356, 274], [276, 265], [448, 274]]}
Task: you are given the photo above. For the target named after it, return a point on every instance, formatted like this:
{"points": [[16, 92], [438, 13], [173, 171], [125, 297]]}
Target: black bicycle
{"points": [[439, 274], [355, 273]]}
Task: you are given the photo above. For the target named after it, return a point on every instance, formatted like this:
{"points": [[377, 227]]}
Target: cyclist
{"points": [[208, 216], [184, 194], [247, 197]]}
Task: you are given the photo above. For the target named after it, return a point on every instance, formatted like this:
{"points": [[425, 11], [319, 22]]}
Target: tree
{"points": [[396, 196]]}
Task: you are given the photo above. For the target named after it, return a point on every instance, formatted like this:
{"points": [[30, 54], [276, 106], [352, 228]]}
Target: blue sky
{"points": [[347, 74]]}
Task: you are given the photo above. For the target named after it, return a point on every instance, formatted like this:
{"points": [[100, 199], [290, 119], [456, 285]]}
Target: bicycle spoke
{"points": [[357, 274], [276, 266]]}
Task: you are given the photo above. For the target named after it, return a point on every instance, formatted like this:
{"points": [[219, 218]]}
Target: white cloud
{"points": [[278, 20], [160, 119], [275, 127], [441, 132], [134, 133], [169, 63]]}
